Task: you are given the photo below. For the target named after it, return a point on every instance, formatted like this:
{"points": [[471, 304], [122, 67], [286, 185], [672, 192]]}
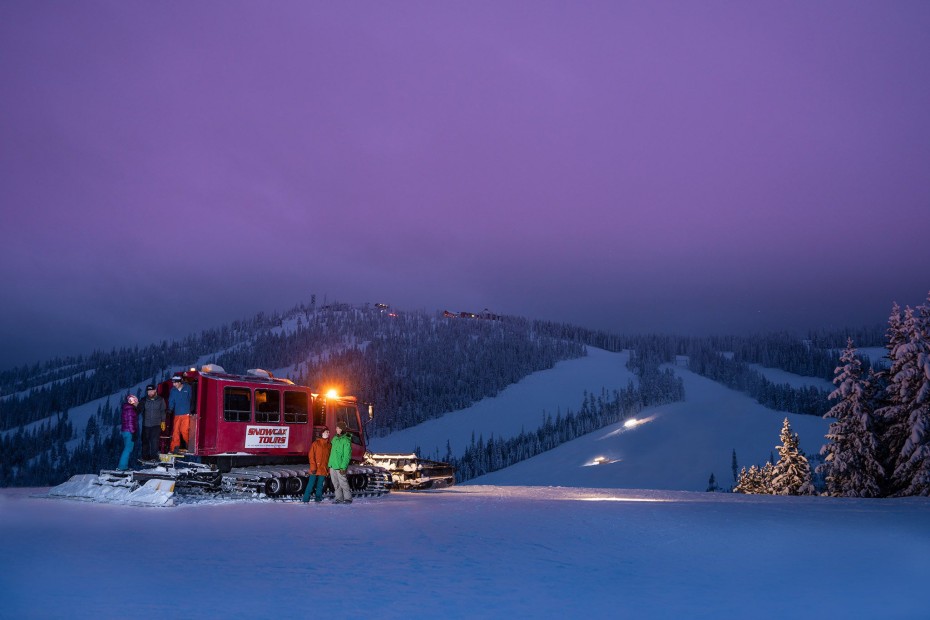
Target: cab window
{"points": [[237, 404], [267, 406], [296, 407], [348, 417]]}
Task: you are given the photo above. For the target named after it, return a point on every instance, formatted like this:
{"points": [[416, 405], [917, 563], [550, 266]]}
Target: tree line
{"points": [[879, 440], [878, 443], [656, 387], [43, 457]]}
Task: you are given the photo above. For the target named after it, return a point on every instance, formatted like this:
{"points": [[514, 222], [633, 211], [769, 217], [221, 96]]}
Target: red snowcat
{"points": [[250, 434]]}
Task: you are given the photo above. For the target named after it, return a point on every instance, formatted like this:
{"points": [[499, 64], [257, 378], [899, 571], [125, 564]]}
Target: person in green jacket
{"points": [[339, 458]]}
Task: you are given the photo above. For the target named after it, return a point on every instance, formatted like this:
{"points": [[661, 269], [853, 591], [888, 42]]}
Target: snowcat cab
{"points": [[260, 419]]}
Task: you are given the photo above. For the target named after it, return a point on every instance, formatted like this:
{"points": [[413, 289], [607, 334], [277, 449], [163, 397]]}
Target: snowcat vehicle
{"points": [[250, 434]]}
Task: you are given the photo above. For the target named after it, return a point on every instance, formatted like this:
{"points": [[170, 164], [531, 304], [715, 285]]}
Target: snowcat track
{"points": [[364, 481]]}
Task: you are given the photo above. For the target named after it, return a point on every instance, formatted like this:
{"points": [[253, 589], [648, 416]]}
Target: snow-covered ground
{"points": [[469, 552], [676, 446], [518, 407], [777, 375]]}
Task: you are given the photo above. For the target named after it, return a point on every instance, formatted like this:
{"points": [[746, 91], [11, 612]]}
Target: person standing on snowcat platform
{"points": [[127, 429], [339, 459], [319, 458], [153, 422], [180, 403]]}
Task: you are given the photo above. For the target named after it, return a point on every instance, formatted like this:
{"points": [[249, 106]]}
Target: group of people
{"points": [[330, 458], [150, 415]]}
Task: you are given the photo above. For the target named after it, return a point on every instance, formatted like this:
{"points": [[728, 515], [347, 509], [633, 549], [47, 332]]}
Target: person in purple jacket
{"points": [[128, 430]]}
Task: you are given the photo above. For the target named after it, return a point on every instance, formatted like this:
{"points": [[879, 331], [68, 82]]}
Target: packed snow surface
{"points": [[675, 446], [469, 552]]}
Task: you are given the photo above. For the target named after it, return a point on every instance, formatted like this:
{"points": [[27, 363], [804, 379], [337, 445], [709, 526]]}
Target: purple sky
{"points": [[672, 166]]}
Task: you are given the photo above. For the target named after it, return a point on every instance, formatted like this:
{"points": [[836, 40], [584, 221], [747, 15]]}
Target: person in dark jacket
{"points": [[153, 422], [180, 403], [127, 430], [319, 458], [339, 459]]}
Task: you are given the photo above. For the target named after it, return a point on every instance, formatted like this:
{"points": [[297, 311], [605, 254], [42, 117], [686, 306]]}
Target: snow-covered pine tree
{"points": [[750, 482], [890, 415], [742, 483], [766, 474], [909, 408], [851, 465], [792, 472]]}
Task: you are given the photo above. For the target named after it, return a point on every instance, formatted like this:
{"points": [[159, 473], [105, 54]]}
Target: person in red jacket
{"points": [[319, 457]]}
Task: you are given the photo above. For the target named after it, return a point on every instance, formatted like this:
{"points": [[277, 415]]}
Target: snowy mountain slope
{"points": [[519, 407], [777, 375], [678, 448], [469, 552]]}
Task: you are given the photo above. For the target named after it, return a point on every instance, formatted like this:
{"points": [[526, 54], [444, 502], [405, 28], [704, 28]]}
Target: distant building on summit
{"points": [[484, 314]]}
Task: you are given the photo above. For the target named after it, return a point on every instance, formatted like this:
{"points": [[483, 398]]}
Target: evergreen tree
{"points": [[767, 474], [891, 415], [908, 412], [751, 482], [851, 465], [792, 472], [734, 467]]}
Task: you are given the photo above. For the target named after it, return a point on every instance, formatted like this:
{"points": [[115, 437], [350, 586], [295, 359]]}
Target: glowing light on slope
{"points": [[631, 424]]}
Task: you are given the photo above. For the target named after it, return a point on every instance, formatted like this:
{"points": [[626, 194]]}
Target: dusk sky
{"points": [[689, 167]]}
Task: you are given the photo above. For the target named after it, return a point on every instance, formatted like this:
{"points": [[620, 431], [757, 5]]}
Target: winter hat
{"points": [[176, 378], [149, 387]]}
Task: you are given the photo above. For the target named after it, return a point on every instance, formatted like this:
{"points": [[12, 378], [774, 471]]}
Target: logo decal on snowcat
{"points": [[266, 436]]}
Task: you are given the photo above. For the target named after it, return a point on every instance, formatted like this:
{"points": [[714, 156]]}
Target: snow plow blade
{"points": [[411, 473], [116, 488]]}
